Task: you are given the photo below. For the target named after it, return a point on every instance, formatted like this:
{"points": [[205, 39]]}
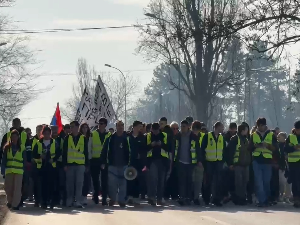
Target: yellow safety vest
{"points": [[76, 153], [264, 151], [193, 151], [97, 146], [52, 153], [214, 151], [23, 138], [163, 152], [129, 148], [293, 156], [15, 164], [201, 137]]}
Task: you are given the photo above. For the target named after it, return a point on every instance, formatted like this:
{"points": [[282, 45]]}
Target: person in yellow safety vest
{"points": [[13, 163], [239, 160], [47, 151], [158, 163], [116, 156], [292, 149], [212, 147], [99, 137], [16, 125], [86, 132], [187, 157], [61, 178], [171, 188], [262, 143], [75, 159], [198, 170], [35, 172]]}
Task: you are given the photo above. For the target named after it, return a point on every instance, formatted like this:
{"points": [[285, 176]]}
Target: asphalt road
{"points": [[144, 214]]}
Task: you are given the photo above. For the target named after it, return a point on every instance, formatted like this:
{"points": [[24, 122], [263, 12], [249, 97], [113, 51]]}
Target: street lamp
{"points": [[107, 65]]}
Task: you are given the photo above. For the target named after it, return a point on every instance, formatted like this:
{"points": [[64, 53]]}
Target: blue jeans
{"points": [[117, 184], [262, 176]]}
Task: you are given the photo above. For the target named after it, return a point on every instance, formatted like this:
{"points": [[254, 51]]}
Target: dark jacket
{"points": [[28, 147], [108, 152], [171, 138], [138, 148], [245, 156], [261, 159], [45, 162], [65, 150], [156, 151], [193, 137]]}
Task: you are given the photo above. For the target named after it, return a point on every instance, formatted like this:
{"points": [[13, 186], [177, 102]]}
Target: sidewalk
{"points": [[3, 208]]}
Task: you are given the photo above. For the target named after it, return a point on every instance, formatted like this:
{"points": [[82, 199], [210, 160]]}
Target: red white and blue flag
{"points": [[56, 119]]}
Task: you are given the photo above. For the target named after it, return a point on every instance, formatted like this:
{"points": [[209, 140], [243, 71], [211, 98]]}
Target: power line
{"points": [[68, 29], [73, 74]]}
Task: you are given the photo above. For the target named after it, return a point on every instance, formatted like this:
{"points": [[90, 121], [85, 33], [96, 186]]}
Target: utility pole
{"points": [[160, 104], [179, 99]]}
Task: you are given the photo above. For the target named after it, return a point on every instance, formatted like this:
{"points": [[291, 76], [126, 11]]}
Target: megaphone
{"points": [[130, 173]]}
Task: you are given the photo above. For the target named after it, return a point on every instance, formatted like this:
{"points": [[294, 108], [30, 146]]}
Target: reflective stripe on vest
{"points": [[237, 151], [15, 164], [163, 152], [293, 156], [193, 151], [129, 149], [41, 151], [214, 151], [97, 146], [264, 151], [76, 153], [37, 161], [23, 138]]}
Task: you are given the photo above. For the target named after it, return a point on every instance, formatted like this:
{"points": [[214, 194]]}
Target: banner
{"points": [[86, 111], [102, 103]]}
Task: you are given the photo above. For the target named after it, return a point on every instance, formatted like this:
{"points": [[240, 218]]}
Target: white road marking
{"points": [[215, 220]]}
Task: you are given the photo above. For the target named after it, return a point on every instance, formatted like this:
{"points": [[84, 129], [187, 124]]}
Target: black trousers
{"points": [[49, 177], [95, 173], [294, 176], [61, 183], [172, 184], [228, 182], [37, 185], [134, 186], [213, 181], [250, 185], [274, 184], [185, 180]]}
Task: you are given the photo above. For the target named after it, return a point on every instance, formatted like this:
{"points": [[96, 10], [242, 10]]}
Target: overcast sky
{"points": [[60, 51]]}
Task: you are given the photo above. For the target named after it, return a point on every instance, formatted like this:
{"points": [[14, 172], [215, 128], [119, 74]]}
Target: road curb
{"points": [[3, 209]]}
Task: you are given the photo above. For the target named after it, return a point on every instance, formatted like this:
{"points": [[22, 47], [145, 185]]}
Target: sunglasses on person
{"points": [[175, 128]]}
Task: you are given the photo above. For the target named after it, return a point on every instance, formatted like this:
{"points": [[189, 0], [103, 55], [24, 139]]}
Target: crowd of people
{"points": [[184, 162]]}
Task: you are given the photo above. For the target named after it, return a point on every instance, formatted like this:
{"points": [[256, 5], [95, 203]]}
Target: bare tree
{"points": [[17, 77], [87, 77], [275, 22], [182, 35]]}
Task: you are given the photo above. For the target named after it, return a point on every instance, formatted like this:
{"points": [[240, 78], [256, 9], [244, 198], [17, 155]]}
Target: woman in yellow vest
{"points": [[86, 132], [46, 152], [13, 161]]}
